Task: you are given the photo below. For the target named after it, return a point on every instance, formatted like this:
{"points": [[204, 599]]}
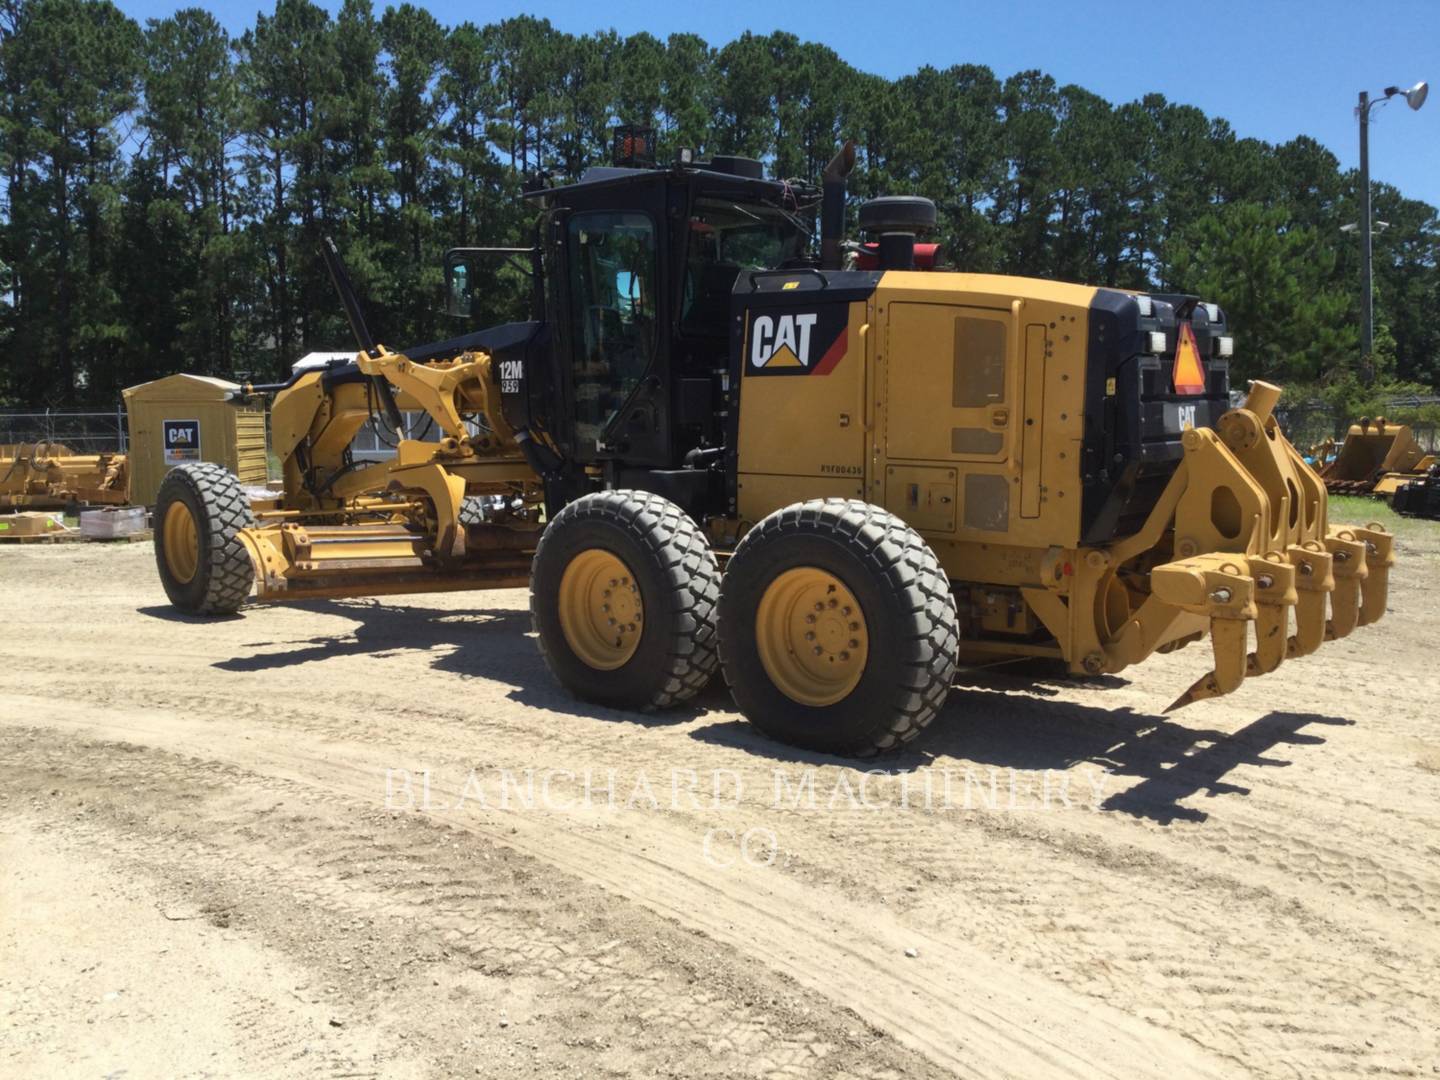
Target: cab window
{"points": [[724, 240], [612, 284]]}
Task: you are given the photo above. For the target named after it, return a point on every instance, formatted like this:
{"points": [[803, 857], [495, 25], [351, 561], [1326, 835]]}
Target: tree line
{"points": [[166, 185]]}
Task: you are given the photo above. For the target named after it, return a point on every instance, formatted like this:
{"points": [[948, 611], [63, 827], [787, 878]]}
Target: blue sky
{"points": [[1274, 69]]}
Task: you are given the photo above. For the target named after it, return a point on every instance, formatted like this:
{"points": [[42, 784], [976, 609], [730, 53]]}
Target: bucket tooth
{"points": [[1350, 572], [1275, 595], [1379, 557], [1314, 580], [1218, 585], [1230, 640]]}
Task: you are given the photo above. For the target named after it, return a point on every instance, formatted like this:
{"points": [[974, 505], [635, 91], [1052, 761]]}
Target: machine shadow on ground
{"points": [[486, 643], [1010, 719], [987, 724]]}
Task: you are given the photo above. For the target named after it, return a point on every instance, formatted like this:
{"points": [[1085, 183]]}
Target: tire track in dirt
{"points": [[1024, 1027], [332, 893]]}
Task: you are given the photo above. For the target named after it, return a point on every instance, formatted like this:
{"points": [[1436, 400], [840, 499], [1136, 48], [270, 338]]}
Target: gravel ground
{"points": [[373, 838]]}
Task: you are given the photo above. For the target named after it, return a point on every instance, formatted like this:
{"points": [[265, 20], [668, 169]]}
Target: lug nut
{"points": [[614, 582], [817, 650], [854, 643], [845, 611], [810, 635], [834, 602], [809, 618], [604, 607], [844, 655], [819, 606], [854, 626]]}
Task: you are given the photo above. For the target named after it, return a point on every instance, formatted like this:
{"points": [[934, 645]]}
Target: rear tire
{"points": [[623, 593], [203, 564], [837, 628]]}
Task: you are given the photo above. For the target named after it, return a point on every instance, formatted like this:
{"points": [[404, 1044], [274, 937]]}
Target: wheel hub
{"points": [[182, 542], [601, 613], [812, 636]]}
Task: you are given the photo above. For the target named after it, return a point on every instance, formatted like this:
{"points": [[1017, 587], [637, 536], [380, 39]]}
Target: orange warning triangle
{"points": [[1189, 373], [783, 357]]}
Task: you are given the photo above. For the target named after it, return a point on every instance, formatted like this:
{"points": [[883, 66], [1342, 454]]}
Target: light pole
{"points": [[1414, 97]]}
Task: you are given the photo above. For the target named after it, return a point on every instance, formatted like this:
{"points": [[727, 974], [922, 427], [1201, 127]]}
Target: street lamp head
{"points": [[1414, 97]]}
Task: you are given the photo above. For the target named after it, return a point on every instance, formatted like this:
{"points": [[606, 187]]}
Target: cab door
{"points": [[613, 344]]}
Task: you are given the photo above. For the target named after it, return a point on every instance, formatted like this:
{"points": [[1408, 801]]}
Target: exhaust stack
{"points": [[832, 205]]}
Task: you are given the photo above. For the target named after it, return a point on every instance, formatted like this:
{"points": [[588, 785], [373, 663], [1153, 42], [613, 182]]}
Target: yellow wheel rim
{"points": [[811, 635], [601, 614], [182, 543]]}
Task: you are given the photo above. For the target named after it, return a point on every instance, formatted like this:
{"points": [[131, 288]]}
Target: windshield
{"points": [[724, 239]]}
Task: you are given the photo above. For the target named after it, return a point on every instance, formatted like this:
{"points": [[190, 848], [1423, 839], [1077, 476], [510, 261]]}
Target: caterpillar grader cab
{"points": [[835, 476]]}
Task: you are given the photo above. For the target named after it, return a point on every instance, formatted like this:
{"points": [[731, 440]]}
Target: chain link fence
{"points": [[1308, 423], [82, 432]]}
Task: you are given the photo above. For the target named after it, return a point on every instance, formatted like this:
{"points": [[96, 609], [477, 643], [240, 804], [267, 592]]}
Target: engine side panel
{"points": [[979, 415]]}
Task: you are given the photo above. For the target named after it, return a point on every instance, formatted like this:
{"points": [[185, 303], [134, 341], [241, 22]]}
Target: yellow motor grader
{"points": [[833, 478]]}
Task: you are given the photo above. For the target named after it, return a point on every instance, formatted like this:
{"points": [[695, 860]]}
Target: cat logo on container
{"points": [[796, 342]]}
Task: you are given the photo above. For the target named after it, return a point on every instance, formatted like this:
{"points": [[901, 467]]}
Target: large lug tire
{"points": [[837, 628], [203, 564], [623, 593]]}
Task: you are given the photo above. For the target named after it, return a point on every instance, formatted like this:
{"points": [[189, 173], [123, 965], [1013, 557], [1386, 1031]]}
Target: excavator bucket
{"points": [[1371, 452]]}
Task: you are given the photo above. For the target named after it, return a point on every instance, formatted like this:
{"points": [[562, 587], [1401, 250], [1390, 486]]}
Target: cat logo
{"points": [[1187, 417], [781, 341]]}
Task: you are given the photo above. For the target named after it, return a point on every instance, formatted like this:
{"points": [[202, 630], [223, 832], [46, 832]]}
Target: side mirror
{"points": [[459, 301]]}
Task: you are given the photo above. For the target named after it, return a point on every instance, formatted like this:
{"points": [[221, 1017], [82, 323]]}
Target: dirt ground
{"points": [[373, 838]]}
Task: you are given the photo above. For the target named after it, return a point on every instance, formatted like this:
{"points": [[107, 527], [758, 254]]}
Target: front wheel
{"points": [[623, 590], [203, 563], [837, 628]]}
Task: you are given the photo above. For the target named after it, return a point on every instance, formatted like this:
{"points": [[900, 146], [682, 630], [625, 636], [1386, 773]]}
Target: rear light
{"points": [[1225, 345], [1157, 342], [1188, 373]]}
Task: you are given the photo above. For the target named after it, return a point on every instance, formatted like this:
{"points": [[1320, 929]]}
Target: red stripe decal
{"points": [[833, 355]]}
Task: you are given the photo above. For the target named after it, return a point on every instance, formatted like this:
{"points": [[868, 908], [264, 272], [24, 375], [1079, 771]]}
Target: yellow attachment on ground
{"points": [[600, 609], [1375, 459], [812, 636], [48, 475]]}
